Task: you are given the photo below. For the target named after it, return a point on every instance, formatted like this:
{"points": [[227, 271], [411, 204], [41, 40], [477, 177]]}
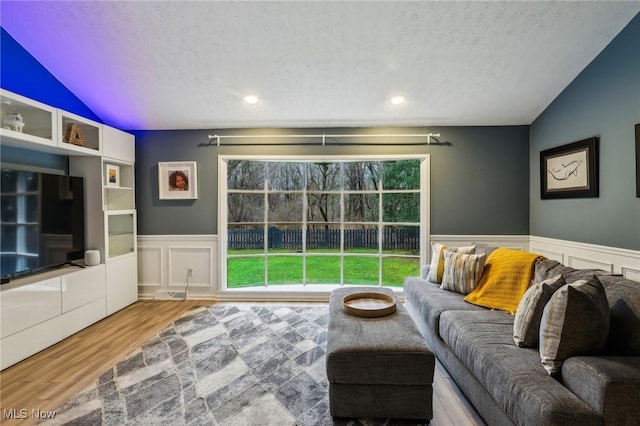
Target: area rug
{"points": [[228, 364]]}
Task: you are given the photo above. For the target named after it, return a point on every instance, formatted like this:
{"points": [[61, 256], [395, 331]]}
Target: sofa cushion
{"points": [[624, 304], [462, 272], [575, 322], [514, 376], [431, 301], [507, 275], [609, 385], [624, 311], [526, 324]]}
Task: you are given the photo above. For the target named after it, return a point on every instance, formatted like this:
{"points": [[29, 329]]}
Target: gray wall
{"points": [[33, 160], [603, 101], [479, 177]]}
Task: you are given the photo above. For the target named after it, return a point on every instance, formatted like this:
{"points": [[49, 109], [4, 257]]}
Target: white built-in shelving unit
{"points": [[40, 310]]}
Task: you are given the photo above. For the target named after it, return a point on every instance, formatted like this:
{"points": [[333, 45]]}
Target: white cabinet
{"points": [[38, 314], [79, 135], [120, 146], [27, 123], [82, 287], [122, 282], [28, 305], [120, 233]]}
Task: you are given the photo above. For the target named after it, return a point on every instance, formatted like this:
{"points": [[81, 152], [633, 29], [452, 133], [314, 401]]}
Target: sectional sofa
{"points": [[509, 384]]}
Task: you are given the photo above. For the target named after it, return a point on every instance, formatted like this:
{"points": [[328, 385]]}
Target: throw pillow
{"points": [[484, 248], [507, 275], [462, 272], [575, 322], [437, 260], [526, 325]]}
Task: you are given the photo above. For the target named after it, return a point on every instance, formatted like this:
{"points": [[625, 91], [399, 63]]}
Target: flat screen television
{"points": [[41, 222]]}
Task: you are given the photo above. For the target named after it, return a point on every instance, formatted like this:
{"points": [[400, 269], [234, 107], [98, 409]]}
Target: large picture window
{"points": [[325, 220]]}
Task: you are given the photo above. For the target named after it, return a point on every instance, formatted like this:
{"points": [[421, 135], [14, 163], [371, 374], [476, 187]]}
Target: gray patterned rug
{"points": [[229, 364]]}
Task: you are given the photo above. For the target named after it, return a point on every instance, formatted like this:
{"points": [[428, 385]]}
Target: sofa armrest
{"points": [[425, 271], [610, 385]]}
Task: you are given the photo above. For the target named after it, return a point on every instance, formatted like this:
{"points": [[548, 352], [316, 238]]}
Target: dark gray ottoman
{"points": [[377, 367]]}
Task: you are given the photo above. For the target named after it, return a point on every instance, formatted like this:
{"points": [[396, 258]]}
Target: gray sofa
{"points": [[508, 384]]}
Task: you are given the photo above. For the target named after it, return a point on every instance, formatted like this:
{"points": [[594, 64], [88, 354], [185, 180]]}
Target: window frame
{"points": [[423, 224]]}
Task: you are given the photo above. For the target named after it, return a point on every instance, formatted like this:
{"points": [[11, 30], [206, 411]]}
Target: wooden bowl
{"points": [[369, 305]]}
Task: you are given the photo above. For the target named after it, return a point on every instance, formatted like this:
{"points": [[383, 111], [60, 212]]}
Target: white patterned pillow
{"points": [[575, 322], [437, 259], [462, 272], [526, 324]]}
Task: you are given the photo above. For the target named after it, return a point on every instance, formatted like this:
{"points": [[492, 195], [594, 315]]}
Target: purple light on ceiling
{"points": [[79, 44]]}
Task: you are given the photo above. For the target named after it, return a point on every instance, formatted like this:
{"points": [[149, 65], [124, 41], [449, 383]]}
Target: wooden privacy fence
{"points": [[392, 238]]}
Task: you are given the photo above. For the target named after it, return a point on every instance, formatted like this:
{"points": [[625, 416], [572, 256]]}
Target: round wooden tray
{"points": [[369, 305]]}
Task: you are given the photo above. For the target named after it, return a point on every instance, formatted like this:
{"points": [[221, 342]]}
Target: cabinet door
{"points": [[118, 145], [29, 305], [122, 282], [82, 287], [27, 123], [79, 135]]}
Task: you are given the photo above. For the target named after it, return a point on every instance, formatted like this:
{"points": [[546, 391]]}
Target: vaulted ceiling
{"points": [[189, 64]]}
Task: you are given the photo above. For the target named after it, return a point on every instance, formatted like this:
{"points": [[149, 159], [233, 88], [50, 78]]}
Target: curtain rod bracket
{"points": [[432, 135]]}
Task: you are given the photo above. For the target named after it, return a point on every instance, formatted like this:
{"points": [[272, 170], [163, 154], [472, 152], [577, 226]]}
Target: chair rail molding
{"points": [[589, 256]]}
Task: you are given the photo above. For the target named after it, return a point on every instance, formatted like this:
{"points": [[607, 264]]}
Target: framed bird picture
{"points": [[570, 171]]}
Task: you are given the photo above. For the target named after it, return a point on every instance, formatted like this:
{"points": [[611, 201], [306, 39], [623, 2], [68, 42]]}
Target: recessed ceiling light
{"points": [[397, 100], [251, 99]]}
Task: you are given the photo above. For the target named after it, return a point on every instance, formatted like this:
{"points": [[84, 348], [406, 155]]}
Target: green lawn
{"points": [[250, 271]]}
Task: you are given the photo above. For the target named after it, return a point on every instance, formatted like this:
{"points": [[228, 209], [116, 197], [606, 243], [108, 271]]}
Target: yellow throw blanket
{"points": [[507, 276]]}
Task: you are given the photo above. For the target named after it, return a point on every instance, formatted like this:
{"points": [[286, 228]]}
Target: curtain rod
{"points": [[430, 138]]}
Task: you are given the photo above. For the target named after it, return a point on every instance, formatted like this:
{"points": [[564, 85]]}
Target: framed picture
{"points": [[112, 175], [638, 160], [570, 171], [178, 180]]}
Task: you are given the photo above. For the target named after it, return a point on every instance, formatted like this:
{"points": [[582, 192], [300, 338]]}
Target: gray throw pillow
{"points": [[462, 272], [526, 325], [575, 322]]}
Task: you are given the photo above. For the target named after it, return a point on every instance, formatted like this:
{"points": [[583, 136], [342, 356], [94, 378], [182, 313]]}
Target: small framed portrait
{"points": [[178, 180], [570, 171], [111, 175]]}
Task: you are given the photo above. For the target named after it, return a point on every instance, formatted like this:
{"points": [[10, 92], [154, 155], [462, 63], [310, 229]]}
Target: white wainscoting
{"points": [[589, 256], [164, 262]]}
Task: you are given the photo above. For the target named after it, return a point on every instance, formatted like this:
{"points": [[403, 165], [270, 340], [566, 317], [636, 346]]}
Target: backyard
{"points": [[360, 267]]}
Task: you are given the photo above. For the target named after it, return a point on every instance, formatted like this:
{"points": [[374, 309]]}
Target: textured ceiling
{"points": [[187, 65]]}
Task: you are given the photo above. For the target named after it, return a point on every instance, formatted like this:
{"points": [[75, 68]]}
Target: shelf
{"points": [[118, 198], [73, 127], [39, 122]]}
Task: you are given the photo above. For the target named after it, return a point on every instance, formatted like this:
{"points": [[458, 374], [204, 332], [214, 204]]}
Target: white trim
{"points": [[585, 255], [622, 261]]}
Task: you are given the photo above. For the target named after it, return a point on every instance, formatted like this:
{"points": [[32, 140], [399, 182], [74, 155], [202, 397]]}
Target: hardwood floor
{"points": [[47, 379]]}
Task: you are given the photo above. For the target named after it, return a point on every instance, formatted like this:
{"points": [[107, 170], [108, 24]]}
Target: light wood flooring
{"points": [[47, 379]]}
